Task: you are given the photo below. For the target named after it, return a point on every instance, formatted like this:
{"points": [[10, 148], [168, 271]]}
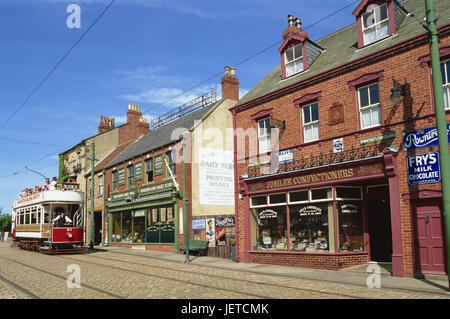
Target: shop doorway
{"points": [[97, 228], [379, 222]]}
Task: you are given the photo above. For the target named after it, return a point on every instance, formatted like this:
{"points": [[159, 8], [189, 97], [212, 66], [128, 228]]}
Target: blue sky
{"points": [[142, 52]]}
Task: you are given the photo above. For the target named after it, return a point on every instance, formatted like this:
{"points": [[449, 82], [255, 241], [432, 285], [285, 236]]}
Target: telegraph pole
{"points": [[92, 193], [441, 121]]}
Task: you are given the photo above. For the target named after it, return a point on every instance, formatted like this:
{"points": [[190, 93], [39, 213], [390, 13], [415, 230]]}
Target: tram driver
{"points": [[61, 219]]}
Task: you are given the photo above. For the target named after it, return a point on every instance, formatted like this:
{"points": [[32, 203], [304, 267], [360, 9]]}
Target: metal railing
{"points": [[315, 161]]}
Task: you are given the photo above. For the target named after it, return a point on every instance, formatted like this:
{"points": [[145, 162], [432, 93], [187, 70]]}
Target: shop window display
{"points": [[115, 230], [311, 227], [139, 227], [126, 227], [351, 232], [271, 228]]}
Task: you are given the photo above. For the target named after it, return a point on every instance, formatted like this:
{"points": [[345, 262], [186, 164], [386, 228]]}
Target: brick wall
{"points": [[414, 112]]}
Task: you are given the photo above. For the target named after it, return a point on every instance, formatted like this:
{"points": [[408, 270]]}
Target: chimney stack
{"points": [[294, 29], [106, 124], [230, 84]]}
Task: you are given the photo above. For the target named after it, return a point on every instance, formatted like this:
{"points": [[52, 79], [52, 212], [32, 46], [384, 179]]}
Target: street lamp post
{"points": [[441, 121]]}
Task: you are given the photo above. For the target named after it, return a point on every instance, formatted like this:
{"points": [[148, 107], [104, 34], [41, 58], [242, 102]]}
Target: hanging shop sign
{"points": [[268, 213], [198, 224], [425, 137], [285, 157], [215, 177], [310, 211], [423, 168], [338, 145], [225, 222], [378, 138], [159, 165]]}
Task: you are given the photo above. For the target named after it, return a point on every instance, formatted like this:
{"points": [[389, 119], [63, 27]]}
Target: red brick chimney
{"points": [[106, 124], [136, 125], [230, 84]]}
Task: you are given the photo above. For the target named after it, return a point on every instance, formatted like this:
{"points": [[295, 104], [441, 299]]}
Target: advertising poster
{"points": [[210, 232], [220, 236], [216, 177], [423, 168]]}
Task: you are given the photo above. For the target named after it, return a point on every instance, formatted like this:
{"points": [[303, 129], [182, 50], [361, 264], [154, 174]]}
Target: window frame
{"points": [[311, 122], [294, 60], [446, 86], [100, 185], [370, 106], [172, 162], [364, 29], [347, 199], [115, 179], [266, 136], [147, 171], [130, 177]]}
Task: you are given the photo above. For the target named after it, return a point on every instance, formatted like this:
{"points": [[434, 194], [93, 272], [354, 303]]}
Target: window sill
{"points": [[366, 45]]}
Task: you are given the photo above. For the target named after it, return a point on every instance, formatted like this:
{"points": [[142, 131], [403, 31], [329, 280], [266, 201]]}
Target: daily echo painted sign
{"points": [[422, 138]]}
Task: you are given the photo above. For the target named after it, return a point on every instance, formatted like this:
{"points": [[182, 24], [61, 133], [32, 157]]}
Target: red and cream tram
{"points": [[32, 226]]}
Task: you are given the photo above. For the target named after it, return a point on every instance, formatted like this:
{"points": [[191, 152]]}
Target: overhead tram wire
{"points": [[56, 65], [249, 58]]}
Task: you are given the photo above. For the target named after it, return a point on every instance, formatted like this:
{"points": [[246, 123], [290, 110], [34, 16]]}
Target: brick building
{"points": [[75, 162], [329, 160], [144, 206]]}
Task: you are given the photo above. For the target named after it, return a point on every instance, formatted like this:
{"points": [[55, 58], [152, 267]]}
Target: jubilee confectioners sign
{"points": [[332, 175]]}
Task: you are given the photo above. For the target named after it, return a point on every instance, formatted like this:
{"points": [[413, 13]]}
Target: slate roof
{"points": [[341, 48], [163, 136]]}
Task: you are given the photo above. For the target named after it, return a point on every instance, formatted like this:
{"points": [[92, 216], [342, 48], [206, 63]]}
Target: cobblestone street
{"points": [[128, 273]]}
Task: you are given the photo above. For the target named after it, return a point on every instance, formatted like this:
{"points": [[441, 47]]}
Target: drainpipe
{"points": [[236, 188], [441, 122], [92, 194]]}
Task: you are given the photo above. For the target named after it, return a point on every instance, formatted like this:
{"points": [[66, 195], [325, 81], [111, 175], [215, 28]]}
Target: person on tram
{"points": [[53, 184], [61, 219], [46, 185]]}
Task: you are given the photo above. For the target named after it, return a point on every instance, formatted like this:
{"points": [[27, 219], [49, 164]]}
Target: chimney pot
{"points": [[233, 72], [290, 20], [227, 71], [298, 23]]}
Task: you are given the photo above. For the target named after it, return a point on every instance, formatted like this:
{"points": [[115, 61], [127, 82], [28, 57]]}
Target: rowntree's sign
{"points": [[425, 137]]}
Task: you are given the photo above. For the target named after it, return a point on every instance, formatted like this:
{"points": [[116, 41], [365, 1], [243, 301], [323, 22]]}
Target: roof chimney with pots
{"points": [[136, 125], [106, 124], [294, 29], [230, 84]]}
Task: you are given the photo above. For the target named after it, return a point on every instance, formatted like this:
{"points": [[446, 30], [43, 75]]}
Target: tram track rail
{"points": [[56, 276], [317, 291], [19, 288], [409, 289]]}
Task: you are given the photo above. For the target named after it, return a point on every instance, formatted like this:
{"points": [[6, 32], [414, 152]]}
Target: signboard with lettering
{"points": [[423, 168], [285, 157], [220, 236], [338, 145], [378, 138], [159, 165], [225, 222], [121, 176], [198, 224], [123, 195], [138, 171], [332, 175], [268, 213], [422, 138], [310, 211], [215, 177], [161, 187]]}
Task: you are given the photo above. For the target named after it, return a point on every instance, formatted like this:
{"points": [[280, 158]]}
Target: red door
{"points": [[429, 241]]}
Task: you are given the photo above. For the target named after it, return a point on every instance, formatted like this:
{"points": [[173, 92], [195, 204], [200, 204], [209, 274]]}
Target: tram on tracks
{"points": [[33, 226]]}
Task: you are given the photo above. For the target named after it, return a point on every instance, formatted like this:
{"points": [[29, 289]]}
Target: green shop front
{"points": [[144, 216]]}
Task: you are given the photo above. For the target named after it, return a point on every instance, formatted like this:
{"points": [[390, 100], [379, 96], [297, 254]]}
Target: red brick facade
{"points": [[414, 112]]}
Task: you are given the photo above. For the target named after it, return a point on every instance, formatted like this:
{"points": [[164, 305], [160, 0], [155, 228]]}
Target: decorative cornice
{"points": [[307, 98], [366, 78], [444, 53], [291, 37], [363, 5], [261, 114]]}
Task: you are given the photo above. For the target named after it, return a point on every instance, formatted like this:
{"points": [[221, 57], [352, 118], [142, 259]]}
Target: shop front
{"points": [[325, 218], [145, 217]]}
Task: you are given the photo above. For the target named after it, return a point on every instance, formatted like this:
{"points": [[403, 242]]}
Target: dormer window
{"points": [[375, 23], [294, 59], [377, 19]]}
